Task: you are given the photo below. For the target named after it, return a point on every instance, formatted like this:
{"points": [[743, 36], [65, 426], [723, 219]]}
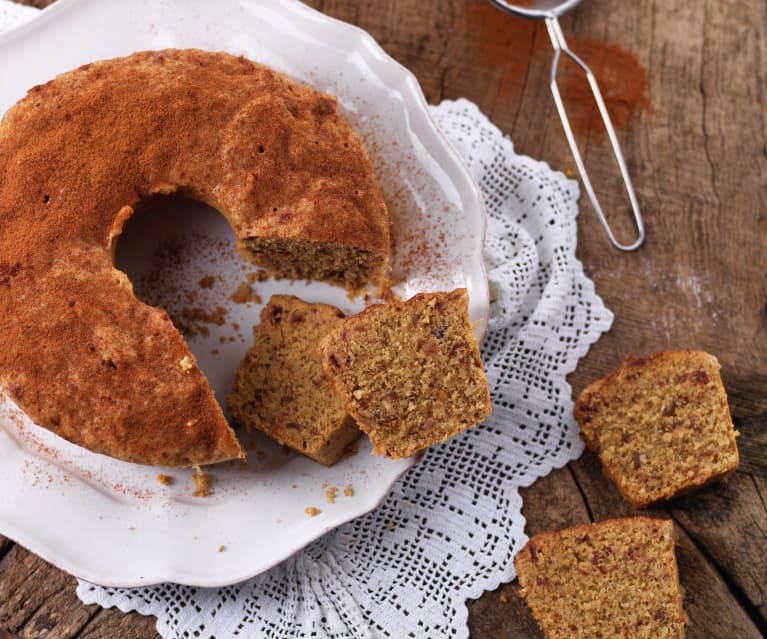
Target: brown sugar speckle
{"points": [[312, 511], [165, 480]]}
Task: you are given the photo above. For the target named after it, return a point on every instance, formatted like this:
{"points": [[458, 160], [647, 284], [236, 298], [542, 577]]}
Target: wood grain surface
{"points": [[686, 80]]}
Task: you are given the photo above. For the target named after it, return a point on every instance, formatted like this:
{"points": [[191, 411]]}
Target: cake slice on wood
{"points": [[410, 372], [616, 578], [661, 425], [281, 389]]}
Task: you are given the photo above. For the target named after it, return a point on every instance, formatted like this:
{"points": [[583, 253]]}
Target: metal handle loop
{"points": [[560, 46]]}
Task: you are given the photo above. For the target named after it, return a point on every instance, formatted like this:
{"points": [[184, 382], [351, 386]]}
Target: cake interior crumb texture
{"points": [[281, 388], [614, 579], [661, 425], [410, 371], [300, 259]]}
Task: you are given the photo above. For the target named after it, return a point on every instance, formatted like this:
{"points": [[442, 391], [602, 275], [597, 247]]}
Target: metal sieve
{"points": [[549, 11]]}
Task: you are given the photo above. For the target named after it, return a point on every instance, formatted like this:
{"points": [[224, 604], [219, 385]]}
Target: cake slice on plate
{"points": [[281, 389], [410, 372]]}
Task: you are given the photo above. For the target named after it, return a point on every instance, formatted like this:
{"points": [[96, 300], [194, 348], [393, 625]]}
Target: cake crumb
{"points": [[349, 491], [221, 548], [186, 363], [312, 511], [259, 276], [390, 525], [165, 480], [330, 495], [244, 293], [503, 598], [201, 482], [206, 282]]}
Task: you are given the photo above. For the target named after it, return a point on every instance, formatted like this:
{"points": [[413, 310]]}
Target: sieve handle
{"points": [[560, 47]]}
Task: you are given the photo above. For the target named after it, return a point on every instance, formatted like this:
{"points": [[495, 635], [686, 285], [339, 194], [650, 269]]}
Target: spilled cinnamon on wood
{"points": [[515, 44]]}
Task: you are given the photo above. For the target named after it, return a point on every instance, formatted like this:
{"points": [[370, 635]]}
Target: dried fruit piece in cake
{"points": [[410, 372], [616, 578], [661, 425], [281, 389]]}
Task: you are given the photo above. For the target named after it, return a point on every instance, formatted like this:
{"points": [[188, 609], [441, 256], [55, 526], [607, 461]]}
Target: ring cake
{"points": [[78, 352]]}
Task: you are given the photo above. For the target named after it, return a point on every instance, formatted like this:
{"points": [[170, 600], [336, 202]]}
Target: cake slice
{"points": [[281, 389], [660, 425], [616, 578], [410, 372]]}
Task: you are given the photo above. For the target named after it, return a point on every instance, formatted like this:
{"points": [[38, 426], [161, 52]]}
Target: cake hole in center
{"points": [[180, 255]]}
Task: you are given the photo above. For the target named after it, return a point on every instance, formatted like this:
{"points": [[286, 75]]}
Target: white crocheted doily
{"points": [[451, 526]]}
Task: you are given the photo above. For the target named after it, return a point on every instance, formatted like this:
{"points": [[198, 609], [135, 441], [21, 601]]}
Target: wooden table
{"points": [[695, 138]]}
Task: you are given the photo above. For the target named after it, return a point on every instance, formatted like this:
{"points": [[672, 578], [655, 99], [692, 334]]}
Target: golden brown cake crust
{"points": [[79, 353], [661, 425], [615, 578]]}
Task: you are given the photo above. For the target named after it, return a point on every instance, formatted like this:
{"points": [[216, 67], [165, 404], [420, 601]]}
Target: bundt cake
{"points": [[660, 425], [79, 353], [615, 578], [410, 372], [281, 389]]}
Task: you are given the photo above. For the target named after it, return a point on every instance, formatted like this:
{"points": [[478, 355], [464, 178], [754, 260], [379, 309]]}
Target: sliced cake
{"points": [[281, 389], [409, 372], [660, 425], [616, 578]]}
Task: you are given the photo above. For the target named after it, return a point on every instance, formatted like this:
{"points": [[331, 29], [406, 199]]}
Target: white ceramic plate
{"points": [[111, 522]]}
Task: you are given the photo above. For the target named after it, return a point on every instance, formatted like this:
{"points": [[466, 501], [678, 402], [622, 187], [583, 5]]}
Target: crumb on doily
{"points": [[165, 480], [349, 491], [312, 511], [221, 548], [330, 494], [202, 482]]}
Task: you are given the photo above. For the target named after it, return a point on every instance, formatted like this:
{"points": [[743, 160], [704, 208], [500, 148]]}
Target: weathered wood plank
{"points": [[729, 520], [111, 623], [713, 612], [18, 587], [5, 545], [60, 617]]}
